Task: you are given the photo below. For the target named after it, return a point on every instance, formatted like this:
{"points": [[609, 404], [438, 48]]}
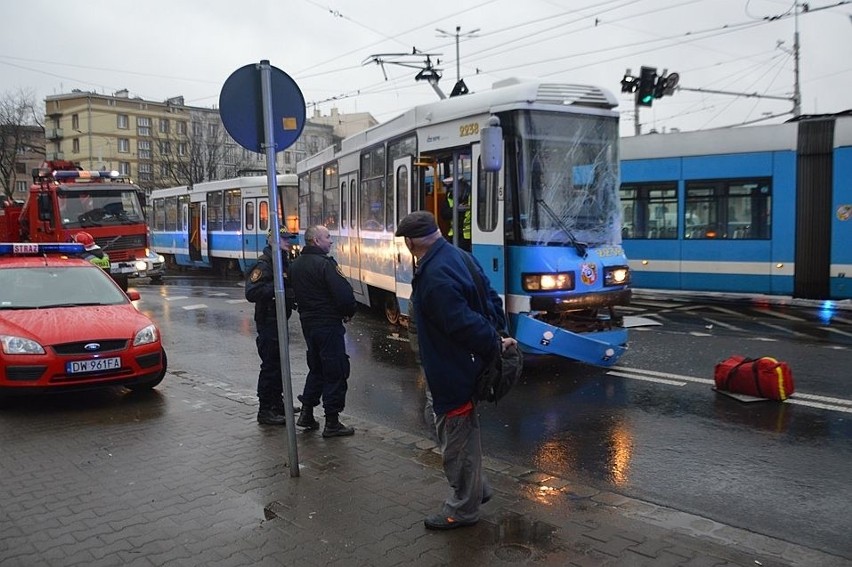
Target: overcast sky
{"points": [[158, 49]]}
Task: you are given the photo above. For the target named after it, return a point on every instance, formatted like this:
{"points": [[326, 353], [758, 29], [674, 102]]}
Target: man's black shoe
{"points": [[439, 522], [271, 417], [337, 429], [307, 421]]}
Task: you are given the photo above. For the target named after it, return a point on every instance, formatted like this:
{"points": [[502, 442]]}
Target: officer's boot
{"points": [[333, 427], [270, 414], [306, 418]]}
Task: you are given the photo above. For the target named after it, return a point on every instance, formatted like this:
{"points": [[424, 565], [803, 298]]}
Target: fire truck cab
{"points": [[64, 200]]}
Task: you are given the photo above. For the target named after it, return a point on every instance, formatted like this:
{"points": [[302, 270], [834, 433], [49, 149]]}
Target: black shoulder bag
{"points": [[501, 373]]}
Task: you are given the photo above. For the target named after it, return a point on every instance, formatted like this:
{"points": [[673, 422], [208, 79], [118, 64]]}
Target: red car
{"points": [[65, 325]]}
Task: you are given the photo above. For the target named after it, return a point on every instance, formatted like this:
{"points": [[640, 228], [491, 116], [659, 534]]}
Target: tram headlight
{"points": [[548, 282], [616, 275]]}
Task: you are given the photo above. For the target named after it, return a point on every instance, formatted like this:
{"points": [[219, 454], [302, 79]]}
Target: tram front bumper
{"points": [[602, 348]]}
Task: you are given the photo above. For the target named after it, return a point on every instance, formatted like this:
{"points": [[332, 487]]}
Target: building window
{"points": [[181, 149], [181, 128], [212, 130], [164, 170], [122, 121], [144, 149], [164, 125], [124, 167], [21, 186], [75, 145], [165, 148], [75, 121], [145, 172], [143, 126], [20, 168], [123, 146], [197, 129]]}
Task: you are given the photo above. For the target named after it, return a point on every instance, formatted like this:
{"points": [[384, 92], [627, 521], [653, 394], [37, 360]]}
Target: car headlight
{"points": [[141, 265], [160, 258], [548, 282], [146, 336], [20, 345], [616, 275]]}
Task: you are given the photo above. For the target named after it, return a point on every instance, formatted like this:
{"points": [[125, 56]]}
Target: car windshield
{"points": [[98, 206], [65, 286]]}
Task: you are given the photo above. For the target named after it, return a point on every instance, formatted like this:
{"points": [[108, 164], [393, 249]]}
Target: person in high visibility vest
{"points": [[93, 253], [462, 212]]}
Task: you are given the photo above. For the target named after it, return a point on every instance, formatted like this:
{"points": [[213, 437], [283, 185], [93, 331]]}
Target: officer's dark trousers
{"points": [[269, 386], [328, 368]]}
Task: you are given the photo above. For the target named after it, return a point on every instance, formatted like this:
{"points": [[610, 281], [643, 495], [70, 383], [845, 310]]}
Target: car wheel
{"points": [[156, 279], [150, 384]]}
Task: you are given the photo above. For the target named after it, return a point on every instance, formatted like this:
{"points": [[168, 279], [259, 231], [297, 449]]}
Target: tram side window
{"points": [[316, 198], [486, 199], [728, 209], [402, 191], [304, 201], [330, 198], [159, 214], [373, 200], [214, 211], [649, 210], [171, 214], [249, 212], [263, 217], [232, 210]]}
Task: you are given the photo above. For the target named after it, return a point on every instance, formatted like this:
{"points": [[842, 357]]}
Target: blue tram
{"points": [[761, 209], [220, 225], [543, 217]]}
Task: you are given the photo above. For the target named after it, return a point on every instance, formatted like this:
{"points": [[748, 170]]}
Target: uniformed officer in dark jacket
{"points": [[325, 301], [260, 290]]}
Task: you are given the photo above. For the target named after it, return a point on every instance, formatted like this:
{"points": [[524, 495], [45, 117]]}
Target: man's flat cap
{"points": [[416, 224]]}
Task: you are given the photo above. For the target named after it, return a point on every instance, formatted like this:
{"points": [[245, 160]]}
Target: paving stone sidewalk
{"points": [[185, 476]]}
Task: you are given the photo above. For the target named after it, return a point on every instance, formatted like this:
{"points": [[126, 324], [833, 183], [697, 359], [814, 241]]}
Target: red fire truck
{"points": [[64, 200]]}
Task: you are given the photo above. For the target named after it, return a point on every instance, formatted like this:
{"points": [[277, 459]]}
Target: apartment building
{"points": [[159, 144]]}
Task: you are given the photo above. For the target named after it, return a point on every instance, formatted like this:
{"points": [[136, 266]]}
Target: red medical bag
{"points": [[763, 377]]}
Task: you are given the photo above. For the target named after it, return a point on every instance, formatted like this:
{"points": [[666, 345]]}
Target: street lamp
{"points": [[457, 35]]}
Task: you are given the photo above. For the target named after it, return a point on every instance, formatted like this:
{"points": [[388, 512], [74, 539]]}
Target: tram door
{"points": [[348, 243], [487, 234], [403, 199], [189, 216], [255, 225], [205, 238]]}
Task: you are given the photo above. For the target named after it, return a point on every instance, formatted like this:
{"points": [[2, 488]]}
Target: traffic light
{"points": [[628, 83], [660, 87], [647, 83]]}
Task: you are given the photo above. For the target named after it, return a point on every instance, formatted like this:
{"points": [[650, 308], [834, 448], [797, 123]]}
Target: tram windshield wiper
{"points": [[580, 247]]}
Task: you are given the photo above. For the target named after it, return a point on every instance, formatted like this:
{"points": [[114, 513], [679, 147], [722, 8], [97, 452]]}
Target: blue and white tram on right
{"points": [[759, 209], [544, 221], [220, 225]]}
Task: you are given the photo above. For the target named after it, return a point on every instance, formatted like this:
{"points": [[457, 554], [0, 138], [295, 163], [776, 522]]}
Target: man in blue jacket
{"points": [[325, 301], [456, 340]]}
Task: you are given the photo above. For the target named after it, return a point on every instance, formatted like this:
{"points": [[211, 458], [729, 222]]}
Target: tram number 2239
{"points": [[471, 129]]}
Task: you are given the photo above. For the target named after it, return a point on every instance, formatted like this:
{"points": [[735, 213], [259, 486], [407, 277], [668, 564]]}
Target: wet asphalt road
{"points": [[651, 428]]}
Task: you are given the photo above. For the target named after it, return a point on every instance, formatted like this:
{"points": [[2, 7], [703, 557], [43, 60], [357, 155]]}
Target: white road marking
{"points": [[631, 321], [726, 310], [836, 331], [196, 306], [778, 314], [175, 297], [810, 400], [724, 325], [647, 378], [217, 294], [232, 301], [785, 329]]}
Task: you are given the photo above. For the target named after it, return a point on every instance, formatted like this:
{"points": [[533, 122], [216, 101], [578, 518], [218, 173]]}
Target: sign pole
{"points": [[280, 301]]}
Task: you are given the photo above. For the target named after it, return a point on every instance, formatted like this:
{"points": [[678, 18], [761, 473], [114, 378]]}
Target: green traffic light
{"points": [[647, 98]]}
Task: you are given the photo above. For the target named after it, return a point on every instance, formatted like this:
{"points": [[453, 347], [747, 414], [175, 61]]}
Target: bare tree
{"points": [[20, 132], [195, 155]]}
